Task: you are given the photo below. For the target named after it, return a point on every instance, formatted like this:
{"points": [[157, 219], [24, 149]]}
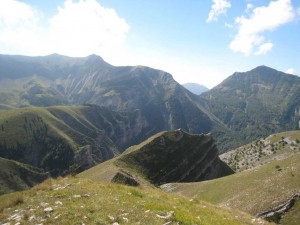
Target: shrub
{"points": [[278, 168]]}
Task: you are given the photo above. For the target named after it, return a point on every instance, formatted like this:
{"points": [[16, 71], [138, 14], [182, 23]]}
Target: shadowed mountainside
{"points": [[173, 156]]}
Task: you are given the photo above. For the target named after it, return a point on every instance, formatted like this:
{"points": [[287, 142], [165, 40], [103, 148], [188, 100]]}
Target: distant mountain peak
{"points": [[195, 88], [94, 56]]}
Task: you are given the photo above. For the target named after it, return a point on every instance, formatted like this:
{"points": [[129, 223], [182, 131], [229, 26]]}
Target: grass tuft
{"points": [[11, 200]]}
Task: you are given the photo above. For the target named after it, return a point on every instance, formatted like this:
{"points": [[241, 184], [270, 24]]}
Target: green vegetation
{"points": [[10, 200], [253, 191], [77, 201], [293, 216], [61, 140], [55, 138], [15, 176], [244, 107], [259, 152], [173, 156], [255, 104]]}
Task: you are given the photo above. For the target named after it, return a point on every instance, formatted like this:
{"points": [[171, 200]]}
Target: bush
{"points": [[278, 168]]}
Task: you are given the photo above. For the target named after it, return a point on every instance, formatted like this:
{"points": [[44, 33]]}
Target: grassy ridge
{"points": [[15, 176], [74, 201]]}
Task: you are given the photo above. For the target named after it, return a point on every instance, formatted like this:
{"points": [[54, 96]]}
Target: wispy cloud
{"points": [[250, 37], [78, 29], [218, 8], [264, 48]]}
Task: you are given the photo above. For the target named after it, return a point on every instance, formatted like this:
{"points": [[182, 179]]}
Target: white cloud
{"points": [[18, 26], [78, 29], [292, 71], [266, 18], [249, 6], [218, 8], [264, 48]]}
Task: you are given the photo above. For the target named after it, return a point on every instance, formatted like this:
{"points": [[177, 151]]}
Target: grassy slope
{"points": [[18, 126], [255, 190], [15, 176], [67, 122], [38, 136], [78, 201]]}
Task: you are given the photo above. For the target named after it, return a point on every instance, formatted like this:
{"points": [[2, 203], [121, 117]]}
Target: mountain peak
{"points": [[263, 69], [94, 56]]}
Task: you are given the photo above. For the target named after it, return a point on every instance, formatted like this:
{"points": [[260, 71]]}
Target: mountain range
{"points": [[94, 111], [137, 126]]}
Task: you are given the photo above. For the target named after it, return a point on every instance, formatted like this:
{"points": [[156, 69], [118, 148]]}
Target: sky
{"points": [[199, 41]]}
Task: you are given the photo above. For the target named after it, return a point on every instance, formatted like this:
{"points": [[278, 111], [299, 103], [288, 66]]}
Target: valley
{"points": [[129, 144]]}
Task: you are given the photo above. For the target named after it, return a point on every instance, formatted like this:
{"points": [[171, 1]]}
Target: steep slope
{"points": [[15, 176], [256, 103], [79, 201], [254, 191], [55, 138], [173, 156]]}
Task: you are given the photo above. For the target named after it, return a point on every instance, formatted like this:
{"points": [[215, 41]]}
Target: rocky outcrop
{"points": [[176, 156], [123, 177], [274, 215]]}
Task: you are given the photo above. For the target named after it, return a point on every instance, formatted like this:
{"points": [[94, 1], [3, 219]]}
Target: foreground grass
{"points": [[79, 201]]}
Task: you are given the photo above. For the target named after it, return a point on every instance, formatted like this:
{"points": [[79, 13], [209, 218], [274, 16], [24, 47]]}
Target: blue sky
{"points": [[202, 41]]}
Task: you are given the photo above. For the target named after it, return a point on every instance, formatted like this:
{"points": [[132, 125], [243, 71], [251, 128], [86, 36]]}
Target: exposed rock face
{"points": [[177, 156], [274, 215]]}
